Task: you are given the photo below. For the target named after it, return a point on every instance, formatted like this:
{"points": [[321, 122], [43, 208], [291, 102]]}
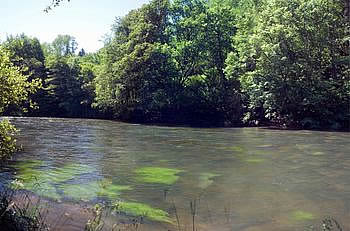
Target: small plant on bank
{"points": [[95, 223], [330, 224], [19, 213], [327, 224]]}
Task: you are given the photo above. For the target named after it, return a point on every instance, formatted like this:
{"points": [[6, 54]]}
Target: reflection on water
{"points": [[241, 178]]}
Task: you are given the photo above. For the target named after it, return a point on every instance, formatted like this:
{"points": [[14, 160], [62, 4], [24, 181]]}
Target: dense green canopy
{"points": [[200, 63]]}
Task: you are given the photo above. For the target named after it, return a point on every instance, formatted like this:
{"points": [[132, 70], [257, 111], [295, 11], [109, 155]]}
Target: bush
{"points": [[7, 140]]}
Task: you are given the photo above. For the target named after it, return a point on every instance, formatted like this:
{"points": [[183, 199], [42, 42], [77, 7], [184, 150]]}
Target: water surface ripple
{"points": [[242, 178]]}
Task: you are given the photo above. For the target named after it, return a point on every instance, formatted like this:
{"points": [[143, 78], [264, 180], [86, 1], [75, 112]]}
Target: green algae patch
{"points": [[29, 170], [317, 153], [29, 175], [158, 175], [41, 188], [254, 160], [302, 215], [23, 165], [77, 169], [79, 191], [144, 210], [113, 191], [47, 190], [232, 148], [35, 180], [261, 153], [42, 182], [265, 146], [36, 183], [206, 179], [237, 149], [89, 191], [68, 172]]}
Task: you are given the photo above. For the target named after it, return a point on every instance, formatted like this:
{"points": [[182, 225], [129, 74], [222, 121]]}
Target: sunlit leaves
{"points": [[287, 59], [14, 87]]}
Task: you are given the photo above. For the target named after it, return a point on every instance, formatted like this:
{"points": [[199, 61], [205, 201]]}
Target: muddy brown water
{"points": [[240, 178]]}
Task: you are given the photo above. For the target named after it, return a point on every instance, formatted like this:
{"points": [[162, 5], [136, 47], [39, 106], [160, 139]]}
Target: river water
{"points": [[163, 177]]}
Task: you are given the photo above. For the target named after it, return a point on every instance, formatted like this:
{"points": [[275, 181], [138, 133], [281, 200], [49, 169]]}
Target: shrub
{"points": [[7, 139]]}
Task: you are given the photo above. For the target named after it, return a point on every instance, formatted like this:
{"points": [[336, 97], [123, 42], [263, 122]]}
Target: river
{"points": [[163, 177]]}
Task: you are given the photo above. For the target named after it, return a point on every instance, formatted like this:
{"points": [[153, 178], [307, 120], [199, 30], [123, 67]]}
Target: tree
{"points": [[14, 86], [294, 64], [14, 89], [69, 84], [82, 52], [88, 65], [201, 34], [133, 81], [64, 45], [54, 3], [64, 87], [26, 54]]}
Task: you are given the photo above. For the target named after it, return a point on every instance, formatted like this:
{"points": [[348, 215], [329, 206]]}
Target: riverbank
{"points": [[265, 125]]}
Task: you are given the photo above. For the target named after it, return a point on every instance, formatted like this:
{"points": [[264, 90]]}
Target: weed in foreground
{"points": [[20, 213]]}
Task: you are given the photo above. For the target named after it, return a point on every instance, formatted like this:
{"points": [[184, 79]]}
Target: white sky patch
{"points": [[87, 21]]}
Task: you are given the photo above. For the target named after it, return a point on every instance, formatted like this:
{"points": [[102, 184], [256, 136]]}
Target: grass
{"points": [[96, 223], [20, 214]]}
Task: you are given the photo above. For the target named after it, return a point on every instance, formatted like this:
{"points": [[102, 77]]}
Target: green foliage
{"points": [[26, 53], [14, 87], [14, 90], [7, 139], [165, 64], [133, 81], [290, 65], [63, 45], [63, 86], [67, 79], [144, 210], [158, 175], [201, 40], [196, 62], [69, 85]]}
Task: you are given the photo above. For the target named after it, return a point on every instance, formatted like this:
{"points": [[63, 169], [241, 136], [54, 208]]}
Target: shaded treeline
{"points": [[201, 63]]}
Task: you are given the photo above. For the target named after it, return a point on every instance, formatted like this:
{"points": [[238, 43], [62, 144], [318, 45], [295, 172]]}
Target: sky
{"points": [[87, 20]]}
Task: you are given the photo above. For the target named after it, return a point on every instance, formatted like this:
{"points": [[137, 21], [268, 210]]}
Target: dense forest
{"points": [[193, 62]]}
